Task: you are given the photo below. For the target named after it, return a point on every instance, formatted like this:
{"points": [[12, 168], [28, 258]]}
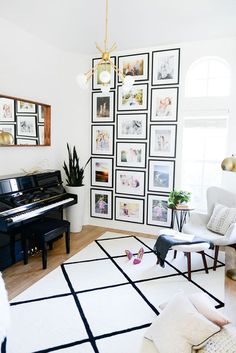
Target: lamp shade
{"points": [[229, 164]]}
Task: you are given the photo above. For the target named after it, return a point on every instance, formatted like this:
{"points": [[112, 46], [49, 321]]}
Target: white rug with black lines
{"points": [[99, 302]]}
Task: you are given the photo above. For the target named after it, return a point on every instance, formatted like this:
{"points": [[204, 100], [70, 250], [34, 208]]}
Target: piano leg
{"points": [[12, 247], [67, 236]]}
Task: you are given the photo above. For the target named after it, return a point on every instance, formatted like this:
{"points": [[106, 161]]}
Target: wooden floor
{"points": [[19, 276]]}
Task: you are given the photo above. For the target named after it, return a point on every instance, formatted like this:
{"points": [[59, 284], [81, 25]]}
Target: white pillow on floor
{"points": [[179, 327]]}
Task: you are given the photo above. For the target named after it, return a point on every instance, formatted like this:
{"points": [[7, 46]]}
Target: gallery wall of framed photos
{"points": [[134, 139]]}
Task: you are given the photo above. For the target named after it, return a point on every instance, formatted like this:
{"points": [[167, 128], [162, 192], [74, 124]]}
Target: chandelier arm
{"points": [[98, 48], [117, 70], [113, 47], [92, 71]]}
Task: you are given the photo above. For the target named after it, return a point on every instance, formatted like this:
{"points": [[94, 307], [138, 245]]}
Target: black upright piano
{"points": [[23, 199]]}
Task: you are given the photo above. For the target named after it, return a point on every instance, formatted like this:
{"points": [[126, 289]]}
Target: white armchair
{"points": [[197, 223]]}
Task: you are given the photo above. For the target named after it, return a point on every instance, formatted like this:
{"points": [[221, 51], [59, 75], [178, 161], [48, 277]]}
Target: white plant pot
{"points": [[75, 213]]}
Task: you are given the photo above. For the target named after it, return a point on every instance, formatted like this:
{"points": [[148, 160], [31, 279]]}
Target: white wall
{"points": [[32, 70], [226, 49]]}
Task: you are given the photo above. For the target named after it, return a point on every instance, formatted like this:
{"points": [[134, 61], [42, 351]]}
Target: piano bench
{"points": [[45, 230]]}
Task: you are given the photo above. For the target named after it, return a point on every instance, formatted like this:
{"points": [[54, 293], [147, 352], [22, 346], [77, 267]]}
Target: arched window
{"points": [[205, 119], [208, 77]]}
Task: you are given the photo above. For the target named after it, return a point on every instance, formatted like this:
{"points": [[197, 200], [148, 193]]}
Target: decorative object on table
{"points": [[179, 199], [101, 72], [165, 69], [74, 185], [6, 138], [163, 140], [229, 165]]}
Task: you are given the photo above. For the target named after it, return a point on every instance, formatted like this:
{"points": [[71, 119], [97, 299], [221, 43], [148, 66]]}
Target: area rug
{"points": [[100, 302]]}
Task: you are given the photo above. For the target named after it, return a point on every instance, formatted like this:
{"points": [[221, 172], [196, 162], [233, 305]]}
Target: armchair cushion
{"points": [[221, 219]]}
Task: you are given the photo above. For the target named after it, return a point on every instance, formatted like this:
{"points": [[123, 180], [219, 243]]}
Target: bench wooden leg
{"points": [[4, 346], [25, 248], [216, 257], [204, 261], [68, 241], [175, 254], [189, 265]]}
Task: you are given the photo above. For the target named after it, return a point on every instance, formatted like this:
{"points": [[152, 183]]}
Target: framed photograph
{"points": [[10, 128], [96, 82], [164, 104], [26, 125], [165, 67], [102, 172], [102, 139], [158, 213], [7, 109], [131, 154], [25, 107], [41, 134], [161, 175], [131, 126], [163, 140], [40, 114], [21, 141], [129, 210], [135, 99], [135, 65], [101, 203], [103, 107], [130, 182]]}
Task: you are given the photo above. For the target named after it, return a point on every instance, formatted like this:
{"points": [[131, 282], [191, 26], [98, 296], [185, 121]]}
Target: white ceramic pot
{"points": [[75, 213]]}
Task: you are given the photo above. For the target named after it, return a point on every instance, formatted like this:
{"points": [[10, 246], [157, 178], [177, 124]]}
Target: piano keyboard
{"points": [[28, 214]]}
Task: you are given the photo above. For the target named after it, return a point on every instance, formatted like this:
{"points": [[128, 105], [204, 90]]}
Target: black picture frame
{"points": [[133, 70], [95, 84], [163, 140], [99, 143], [126, 215], [166, 67], [129, 157], [158, 213], [102, 174], [101, 210], [23, 107], [135, 126], [100, 100], [130, 182], [26, 126], [161, 175], [164, 107], [131, 102]]}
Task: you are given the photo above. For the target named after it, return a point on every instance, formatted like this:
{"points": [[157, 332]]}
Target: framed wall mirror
{"points": [[24, 122]]}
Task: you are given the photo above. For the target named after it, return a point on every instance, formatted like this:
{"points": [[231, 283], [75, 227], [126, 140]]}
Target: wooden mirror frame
{"points": [[12, 109]]}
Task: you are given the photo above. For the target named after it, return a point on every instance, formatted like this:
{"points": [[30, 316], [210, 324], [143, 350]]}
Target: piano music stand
{"points": [[46, 230]]}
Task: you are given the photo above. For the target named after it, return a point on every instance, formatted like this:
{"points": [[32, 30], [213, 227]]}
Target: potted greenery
{"points": [[74, 185], [177, 198]]}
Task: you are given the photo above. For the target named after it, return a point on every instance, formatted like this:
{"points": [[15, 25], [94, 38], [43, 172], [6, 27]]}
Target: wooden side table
{"points": [[179, 215]]}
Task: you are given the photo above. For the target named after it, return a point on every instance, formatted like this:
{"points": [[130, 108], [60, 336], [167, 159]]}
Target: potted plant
{"points": [[74, 185], [177, 198]]}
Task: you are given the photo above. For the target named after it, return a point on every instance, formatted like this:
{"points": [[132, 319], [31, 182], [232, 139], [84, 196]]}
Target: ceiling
{"points": [[74, 25]]}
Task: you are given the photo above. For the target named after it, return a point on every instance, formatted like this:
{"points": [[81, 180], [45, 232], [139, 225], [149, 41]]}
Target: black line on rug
{"points": [[62, 346], [221, 304], [121, 237], [129, 280], [83, 317], [39, 299], [115, 333]]}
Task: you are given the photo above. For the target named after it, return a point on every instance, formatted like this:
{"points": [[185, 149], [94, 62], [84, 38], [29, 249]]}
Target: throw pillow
{"points": [[179, 327], [203, 304], [222, 217]]}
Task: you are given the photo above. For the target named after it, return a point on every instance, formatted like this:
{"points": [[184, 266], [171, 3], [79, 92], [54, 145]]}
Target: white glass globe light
{"points": [[105, 76], [105, 89], [128, 81], [82, 81]]}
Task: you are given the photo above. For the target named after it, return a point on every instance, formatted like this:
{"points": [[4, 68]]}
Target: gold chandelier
{"points": [[106, 63]]}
